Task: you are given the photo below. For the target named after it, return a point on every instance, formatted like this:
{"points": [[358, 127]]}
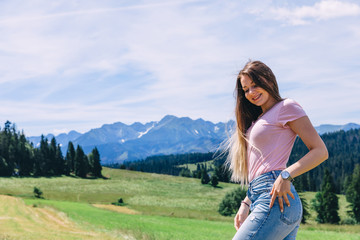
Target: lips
{"points": [[257, 97]]}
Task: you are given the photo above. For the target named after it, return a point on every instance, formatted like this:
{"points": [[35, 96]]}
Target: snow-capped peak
{"points": [[147, 130]]}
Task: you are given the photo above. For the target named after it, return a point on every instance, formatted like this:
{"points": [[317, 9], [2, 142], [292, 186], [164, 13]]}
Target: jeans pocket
{"points": [[292, 214]]}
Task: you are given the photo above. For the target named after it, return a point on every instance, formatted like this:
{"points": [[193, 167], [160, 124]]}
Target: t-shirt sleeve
{"points": [[290, 111]]}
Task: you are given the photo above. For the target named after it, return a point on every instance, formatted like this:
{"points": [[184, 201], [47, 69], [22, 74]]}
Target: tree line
{"points": [[340, 174], [343, 148], [344, 154], [18, 157]]}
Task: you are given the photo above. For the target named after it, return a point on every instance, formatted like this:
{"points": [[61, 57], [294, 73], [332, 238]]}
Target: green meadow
{"points": [[157, 207]]}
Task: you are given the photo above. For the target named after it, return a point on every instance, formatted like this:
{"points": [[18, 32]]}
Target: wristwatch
{"points": [[286, 176]]}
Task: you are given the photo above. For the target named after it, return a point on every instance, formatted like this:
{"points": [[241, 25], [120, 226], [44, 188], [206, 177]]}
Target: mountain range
{"points": [[119, 142]]}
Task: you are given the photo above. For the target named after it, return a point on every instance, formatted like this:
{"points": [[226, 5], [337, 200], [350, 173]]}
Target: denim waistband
{"points": [[265, 176]]}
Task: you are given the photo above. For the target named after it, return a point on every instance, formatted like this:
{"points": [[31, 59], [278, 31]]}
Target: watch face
{"points": [[285, 175]]}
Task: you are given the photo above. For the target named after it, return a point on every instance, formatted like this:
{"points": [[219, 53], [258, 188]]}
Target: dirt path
{"points": [[19, 221], [114, 208]]}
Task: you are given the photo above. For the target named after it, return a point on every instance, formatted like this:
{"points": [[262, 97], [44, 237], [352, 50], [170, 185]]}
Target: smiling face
{"points": [[255, 94]]}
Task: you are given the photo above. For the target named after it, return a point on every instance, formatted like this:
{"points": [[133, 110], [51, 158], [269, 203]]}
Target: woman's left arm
{"points": [[316, 155]]}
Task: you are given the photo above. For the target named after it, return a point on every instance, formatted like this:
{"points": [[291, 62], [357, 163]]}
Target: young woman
{"points": [[259, 150]]}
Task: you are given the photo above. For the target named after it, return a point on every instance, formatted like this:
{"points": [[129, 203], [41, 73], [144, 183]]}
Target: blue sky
{"points": [[76, 65]]}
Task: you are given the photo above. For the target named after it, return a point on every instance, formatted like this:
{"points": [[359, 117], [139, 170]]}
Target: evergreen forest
{"points": [[18, 157], [343, 148]]}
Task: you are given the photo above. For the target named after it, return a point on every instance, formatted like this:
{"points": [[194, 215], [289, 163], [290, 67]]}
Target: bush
{"points": [[231, 202], [38, 193], [205, 179], [120, 202], [185, 172], [214, 181], [348, 221]]}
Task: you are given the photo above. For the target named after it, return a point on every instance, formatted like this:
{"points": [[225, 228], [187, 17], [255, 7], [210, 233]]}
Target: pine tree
{"points": [[306, 213], [38, 162], [25, 161], [52, 157], [60, 163], [44, 157], [214, 180], [95, 165], [353, 194], [81, 163], [70, 158], [326, 202], [205, 179]]}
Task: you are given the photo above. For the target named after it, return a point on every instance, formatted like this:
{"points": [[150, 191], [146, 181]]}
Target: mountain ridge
{"points": [[118, 142]]}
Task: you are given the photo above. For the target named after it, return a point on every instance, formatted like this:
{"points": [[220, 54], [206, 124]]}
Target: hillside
{"points": [[167, 207], [183, 197], [343, 148], [21, 221]]}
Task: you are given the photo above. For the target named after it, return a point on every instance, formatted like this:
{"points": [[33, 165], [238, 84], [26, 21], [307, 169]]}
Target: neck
{"points": [[268, 105]]}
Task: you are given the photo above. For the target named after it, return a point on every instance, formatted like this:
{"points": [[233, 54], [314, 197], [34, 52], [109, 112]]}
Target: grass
{"points": [[139, 226], [192, 167], [167, 207], [151, 194], [20, 221]]}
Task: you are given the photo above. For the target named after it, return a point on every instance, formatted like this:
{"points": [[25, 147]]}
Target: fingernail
{"points": [[281, 210], [289, 205]]}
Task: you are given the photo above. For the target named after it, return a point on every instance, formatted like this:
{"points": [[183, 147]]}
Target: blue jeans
{"points": [[265, 223]]}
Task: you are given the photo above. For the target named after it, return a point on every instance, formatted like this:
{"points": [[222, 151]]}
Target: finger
{"points": [[240, 223], [281, 204], [291, 195], [286, 200], [273, 197], [236, 222], [272, 191]]}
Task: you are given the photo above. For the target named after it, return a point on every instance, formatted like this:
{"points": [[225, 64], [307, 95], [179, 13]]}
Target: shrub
{"points": [[205, 179], [38, 193], [214, 181], [120, 202], [231, 202], [348, 221]]}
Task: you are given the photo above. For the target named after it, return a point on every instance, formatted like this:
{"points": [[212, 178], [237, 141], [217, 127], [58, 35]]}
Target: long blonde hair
{"points": [[246, 113]]}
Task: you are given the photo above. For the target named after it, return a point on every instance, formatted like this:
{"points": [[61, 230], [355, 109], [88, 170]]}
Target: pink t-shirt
{"points": [[270, 139]]}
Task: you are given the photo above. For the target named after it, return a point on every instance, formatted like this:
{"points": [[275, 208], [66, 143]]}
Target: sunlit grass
{"points": [[168, 207]]}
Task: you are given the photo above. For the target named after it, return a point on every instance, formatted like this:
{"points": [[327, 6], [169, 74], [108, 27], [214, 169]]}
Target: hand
{"points": [[241, 216], [281, 189]]}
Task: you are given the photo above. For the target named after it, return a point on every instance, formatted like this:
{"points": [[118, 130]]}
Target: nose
{"points": [[251, 90]]}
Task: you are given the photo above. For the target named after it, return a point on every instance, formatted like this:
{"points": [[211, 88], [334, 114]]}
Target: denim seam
{"points": [[262, 224], [284, 220]]}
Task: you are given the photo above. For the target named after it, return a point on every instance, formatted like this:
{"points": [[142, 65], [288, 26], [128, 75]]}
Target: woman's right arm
{"points": [[242, 213]]}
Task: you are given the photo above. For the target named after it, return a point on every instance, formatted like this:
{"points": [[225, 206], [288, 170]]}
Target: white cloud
{"points": [[326, 9], [82, 64]]}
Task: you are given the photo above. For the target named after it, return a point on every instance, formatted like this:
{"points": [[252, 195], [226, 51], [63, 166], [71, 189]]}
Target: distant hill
{"points": [[119, 142], [62, 138], [328, 128]]}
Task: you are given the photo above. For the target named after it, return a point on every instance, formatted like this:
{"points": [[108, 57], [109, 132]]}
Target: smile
{"points": [[257, 97]]}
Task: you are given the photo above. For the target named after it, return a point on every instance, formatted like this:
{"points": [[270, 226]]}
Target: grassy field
{"points": [[158, 207], [192, 167]]}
